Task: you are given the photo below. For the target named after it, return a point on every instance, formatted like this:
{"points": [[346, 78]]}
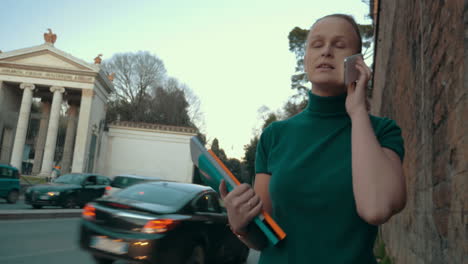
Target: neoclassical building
{"points": [[52, 112], [56, 82]]}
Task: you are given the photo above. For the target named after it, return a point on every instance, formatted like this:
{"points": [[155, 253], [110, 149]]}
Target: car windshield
{"points": [[122, 182], [159, 194], [70, 179]]}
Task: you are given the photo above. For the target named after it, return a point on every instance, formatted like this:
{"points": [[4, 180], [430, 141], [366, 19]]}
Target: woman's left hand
{"points": [[356, 99]]}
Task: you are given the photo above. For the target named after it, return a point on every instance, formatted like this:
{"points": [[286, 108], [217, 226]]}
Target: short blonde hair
{"points": [[350, 20]]}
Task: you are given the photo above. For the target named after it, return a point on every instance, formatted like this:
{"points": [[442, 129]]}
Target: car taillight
{"points": [[89, 212], [117, 205], [159, 226]]}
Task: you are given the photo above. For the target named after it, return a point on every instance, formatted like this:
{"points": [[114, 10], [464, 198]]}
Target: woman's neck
{"points": [[328, 90]]}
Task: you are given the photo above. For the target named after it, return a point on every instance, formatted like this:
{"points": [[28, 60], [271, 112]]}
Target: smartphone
{"points": [[351, 74]]}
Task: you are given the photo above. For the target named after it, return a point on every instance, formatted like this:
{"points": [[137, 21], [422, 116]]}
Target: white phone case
{"points": [[351, 74]]}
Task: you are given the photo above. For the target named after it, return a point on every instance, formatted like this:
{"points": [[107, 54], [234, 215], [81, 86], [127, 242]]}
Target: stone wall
{"points": [[420, 82]]}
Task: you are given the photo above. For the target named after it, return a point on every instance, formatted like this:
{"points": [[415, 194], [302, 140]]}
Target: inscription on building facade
{"points": [[47, 75]]}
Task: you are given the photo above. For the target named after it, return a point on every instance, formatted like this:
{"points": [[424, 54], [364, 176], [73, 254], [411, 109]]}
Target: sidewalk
{"points": [[20, 210], [38, 213]]}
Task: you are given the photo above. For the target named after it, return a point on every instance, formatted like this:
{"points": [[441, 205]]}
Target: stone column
{"points": [[51, 140], [1, 114], [22, 127], [41, 138], [70, 135], [6, 145], [82, 132]]}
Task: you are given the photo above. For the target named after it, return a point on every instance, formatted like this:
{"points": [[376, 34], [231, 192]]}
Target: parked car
{"points": [[68, 191], [9, 183], [123, 181], [160, 222]]}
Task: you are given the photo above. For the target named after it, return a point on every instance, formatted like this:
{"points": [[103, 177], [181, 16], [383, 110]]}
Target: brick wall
{"points": [[420, 82]]}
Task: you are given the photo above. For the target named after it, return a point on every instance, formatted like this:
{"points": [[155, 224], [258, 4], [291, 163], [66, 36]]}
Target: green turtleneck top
{"points": [[309, 159]]}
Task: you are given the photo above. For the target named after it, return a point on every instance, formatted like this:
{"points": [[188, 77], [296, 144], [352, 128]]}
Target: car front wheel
{"points": [[12, 196], [70, 202], [197, 256], [101, 260]]}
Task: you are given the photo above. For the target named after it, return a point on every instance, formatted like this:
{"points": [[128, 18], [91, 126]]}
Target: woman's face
{"points": [[330, 41]]}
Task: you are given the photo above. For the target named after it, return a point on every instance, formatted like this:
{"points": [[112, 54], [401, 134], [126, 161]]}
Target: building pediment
{"points": [[46, 56]]}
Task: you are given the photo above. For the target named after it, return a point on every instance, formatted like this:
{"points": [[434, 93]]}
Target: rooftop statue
{"points": [[50, 37], [98, 59]]}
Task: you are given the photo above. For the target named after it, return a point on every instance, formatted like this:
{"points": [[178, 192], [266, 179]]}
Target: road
{"points": [[51, 241]]}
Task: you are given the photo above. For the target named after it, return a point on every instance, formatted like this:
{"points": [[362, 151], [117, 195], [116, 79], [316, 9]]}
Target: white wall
{"points": [[147, 152]]}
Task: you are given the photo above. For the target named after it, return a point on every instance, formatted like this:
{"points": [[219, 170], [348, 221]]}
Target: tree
{"points": [[144, 92], [297, 38], [219, 152], [136, 75], [180, 102], [293, 107], [194, 112], [251, 148], [249, 157], [234, 165], [169, 106]]}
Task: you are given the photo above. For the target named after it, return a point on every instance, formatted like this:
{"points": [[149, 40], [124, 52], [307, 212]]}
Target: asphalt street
{"points": [[51, 241]]}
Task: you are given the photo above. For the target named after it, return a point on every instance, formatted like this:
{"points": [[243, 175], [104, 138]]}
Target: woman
{"points": [[331, 174]]}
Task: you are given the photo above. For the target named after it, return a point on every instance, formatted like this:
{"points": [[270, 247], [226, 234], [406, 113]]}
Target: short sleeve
{"points": [[389, 136], [262, 152]]}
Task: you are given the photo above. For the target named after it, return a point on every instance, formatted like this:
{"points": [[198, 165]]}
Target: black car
{"points": [[9, 183], [68, 191], [160, 223]]}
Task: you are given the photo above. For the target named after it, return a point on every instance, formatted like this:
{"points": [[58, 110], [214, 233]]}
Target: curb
{"points": [[39, 214]]}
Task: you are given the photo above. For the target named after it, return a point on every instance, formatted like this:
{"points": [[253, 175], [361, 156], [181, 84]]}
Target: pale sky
{"points": [[234, 55]]}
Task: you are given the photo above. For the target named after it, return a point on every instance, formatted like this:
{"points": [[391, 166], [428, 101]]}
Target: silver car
{"points": [[120, 182]]}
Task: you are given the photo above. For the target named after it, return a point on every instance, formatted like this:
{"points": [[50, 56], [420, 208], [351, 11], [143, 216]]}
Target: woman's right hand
{"points": [[242, 205]]}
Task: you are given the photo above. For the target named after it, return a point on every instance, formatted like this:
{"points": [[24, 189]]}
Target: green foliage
{"points": [[251, 148], [297, 38], [202, 138], [270, 119], [218, 151], [144, 93], [234, 165], [380, 252], [249, 157], [294, 107]]}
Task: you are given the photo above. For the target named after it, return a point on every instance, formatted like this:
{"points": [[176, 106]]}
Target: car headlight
{"points": [[53, 193]]}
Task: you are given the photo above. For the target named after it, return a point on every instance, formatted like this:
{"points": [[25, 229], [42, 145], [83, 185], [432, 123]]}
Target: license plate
{"points": [[109, 245], [44, 197]]}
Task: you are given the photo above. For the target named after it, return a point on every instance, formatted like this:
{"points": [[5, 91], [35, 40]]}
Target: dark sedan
{"points": [[160, 222], [68, 191]]}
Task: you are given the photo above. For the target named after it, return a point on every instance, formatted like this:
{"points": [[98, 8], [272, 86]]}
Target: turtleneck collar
{"points": [[326, 105]]}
